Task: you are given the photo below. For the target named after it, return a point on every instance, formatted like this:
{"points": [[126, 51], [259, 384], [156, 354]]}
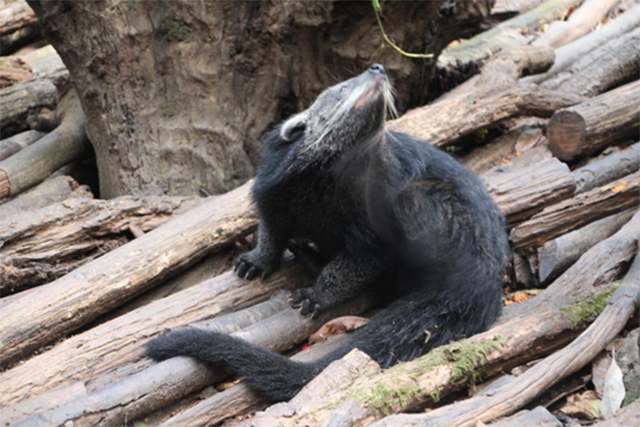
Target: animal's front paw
{"points": [[251, 265], [306, 301]]}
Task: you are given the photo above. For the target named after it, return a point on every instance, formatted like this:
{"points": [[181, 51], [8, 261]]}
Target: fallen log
{"points": [[514, 394], [18, 100], [44, 61], [524, 192], [568, 54], [504, 35], [35, 163], [610, 65], [578, 211], [520, 6], [538, 417], [444, 122], [555, 256], [625, 417], [107, 282], [13, 70], [40, 246], [18, 25], [610, 168], [12, 145], [588, 127], [580, 22]]}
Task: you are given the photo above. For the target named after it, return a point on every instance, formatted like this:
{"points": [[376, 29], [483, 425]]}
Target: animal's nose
{"points": [[377, 69]]}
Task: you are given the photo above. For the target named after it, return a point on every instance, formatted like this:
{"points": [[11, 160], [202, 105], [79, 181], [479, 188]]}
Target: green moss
{"points": [[588, 308], [179, 31], [384, 398]]}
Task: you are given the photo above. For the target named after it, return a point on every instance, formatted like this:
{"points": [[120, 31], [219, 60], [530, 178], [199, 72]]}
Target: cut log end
{"points": [[565, 133]]}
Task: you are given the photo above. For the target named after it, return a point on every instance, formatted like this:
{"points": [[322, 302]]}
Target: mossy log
{"points": [[15, 143], [580, 22], [588, 127], [42, 245], [444, 122], [513, 395], [607, 169], [107, 282], [578, 211], [35, 163], [609, 66]]}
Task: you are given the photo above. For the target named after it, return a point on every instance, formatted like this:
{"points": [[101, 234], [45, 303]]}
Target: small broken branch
{"points": [[603, 171], [15, 143]]}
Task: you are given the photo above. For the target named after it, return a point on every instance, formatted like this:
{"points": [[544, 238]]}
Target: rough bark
{"points": [[505, 34], [157, 78], [13, 70], [18, 25], [568, 54], [609, 66], [12, 145], [17, 101], [610, 168], [580, 22], [444, 122], [538, 417], [524, 192], [578, 211], [44, 61], [555, 256], [97, 287], [588, 127], [43, 245], [35, 163]]}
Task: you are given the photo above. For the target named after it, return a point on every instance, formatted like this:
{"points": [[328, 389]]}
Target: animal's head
{"points": [[351, 111]]}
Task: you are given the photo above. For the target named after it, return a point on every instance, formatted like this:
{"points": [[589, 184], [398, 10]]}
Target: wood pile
{"points": [[550, 123]]}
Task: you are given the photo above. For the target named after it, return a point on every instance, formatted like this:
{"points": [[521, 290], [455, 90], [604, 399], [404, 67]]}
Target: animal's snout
{"points": [[377, 69]]}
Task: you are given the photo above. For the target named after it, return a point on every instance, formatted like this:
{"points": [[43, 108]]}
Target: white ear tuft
{"points": [[292, 127]]}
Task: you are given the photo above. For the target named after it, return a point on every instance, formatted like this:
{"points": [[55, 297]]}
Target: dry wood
{"points": [[40, 246], [610, 65], [578, 211], [18, 24], [17, 101], [105, 283], [505, 34], [611, 167], [13, 70], [580, 22], [555, 256], [513, 395], [625, 417], [521, 193], [538, 417], [12, 145], [44, 61], [444, 122], [501, 6], [35, 163], [568, 54], [588, 127]]}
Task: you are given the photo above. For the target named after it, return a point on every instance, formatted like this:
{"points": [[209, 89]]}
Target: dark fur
{"points": [[394, 216]]}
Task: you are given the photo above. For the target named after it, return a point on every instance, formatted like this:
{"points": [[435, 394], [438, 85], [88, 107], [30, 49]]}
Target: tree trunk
{"points": [[191, 87]]}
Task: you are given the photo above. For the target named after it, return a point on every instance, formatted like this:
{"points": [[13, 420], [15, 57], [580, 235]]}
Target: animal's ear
{"points": [[294, 127]]}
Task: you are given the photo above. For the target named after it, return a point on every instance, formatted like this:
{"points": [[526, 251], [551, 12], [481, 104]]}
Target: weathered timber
{"points": [[580, 22], [521, 193], [13, 70], [568, 54], [40, 246], [505, 34], [514, 394], [578, 211], [35, 163], [588, 127], [538, 417], [625, 417], [444, 122], [607, 169], [555, 256], [520, 6], [18, 25], [44, 61], [15, 143], [610, 65], [18, 100], [105, 283]]}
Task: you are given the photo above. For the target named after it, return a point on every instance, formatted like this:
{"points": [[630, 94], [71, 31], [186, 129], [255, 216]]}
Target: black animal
{"points": [[393, 215]]}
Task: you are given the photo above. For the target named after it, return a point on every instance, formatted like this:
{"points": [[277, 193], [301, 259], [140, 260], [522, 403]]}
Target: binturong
{"points": [[391, 215]]}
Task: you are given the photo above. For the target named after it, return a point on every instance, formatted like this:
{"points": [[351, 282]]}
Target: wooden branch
{"points": [[444, 122], [524, 192], [43, 245], [18, 24], [13, 70], [103, 284], [12, 145], [515, 394], [568, 54], [521, 6], [44, 61], [555, 256], [17, 101], [625, 417], [580, 22], [574, 213], [610, 168], [538, 417], [610, 65], [35, 163], [505, 34]]}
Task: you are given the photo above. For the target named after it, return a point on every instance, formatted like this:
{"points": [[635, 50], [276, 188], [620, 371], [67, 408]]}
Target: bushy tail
{"points": [[407, 329]]}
